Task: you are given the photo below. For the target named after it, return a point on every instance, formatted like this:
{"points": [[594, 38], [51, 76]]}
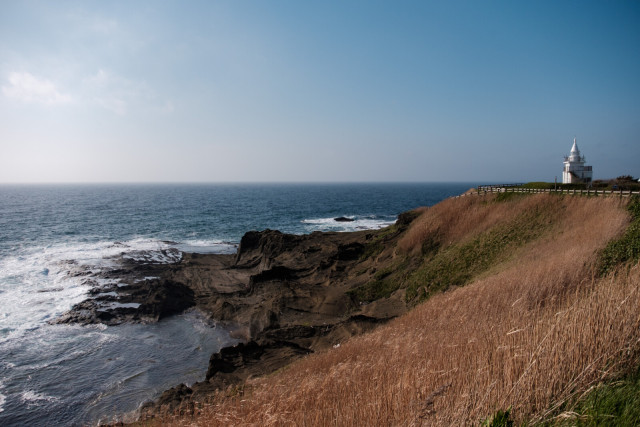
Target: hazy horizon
{"points": [[124, 183], [290, 92]]}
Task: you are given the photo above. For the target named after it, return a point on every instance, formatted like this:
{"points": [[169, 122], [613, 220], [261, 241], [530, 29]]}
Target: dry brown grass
{"points": [[458, 219], [537, 333]]}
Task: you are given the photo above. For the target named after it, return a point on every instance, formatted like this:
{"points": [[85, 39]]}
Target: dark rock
{"points": [[169, 396], [174, 400], [274, 273], [162, 298], [343, 219], [350, 251], [145, 301], [233, 364]]}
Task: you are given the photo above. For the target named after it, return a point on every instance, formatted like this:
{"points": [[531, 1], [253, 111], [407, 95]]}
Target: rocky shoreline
{"points": [[284, 296]]}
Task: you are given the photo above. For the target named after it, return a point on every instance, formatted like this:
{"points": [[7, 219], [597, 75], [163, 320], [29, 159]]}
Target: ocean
{"points": [[84, 375]]}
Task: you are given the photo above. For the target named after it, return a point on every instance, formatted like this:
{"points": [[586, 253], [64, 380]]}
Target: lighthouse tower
{"points": [[574, 170]]}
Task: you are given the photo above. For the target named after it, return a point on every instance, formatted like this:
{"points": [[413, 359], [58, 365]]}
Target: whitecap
{"points": [[165, 256], [357, 223], [39, 283], [202, 246], [31, 396], [6, 365]]}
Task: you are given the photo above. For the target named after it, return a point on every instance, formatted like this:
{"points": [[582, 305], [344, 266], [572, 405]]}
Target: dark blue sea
{"points": [[84, 375]]}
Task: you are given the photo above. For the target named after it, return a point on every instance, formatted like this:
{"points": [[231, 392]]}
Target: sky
{"points": [[324, 91]]}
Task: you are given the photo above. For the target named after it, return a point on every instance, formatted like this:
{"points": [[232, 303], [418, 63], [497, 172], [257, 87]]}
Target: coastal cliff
{"points": [[284, 296], [494, 273]]}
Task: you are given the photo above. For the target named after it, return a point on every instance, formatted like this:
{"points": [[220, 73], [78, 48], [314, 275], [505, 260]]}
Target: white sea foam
{"points": [[358, 223], [113, 305], [106, 294], [3, 398], [207, 246], [106, 282], [145, 278], [31, 396], [164, 256], [38, 284]]}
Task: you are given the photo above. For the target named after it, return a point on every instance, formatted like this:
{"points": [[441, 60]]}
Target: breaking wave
{"points": [[352, 223]]}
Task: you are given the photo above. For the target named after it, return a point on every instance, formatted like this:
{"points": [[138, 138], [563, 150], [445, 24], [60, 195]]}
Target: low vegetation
{"points": [[626, 248], [623, 182], [540, 333], [459, 263], [615, 402], [384, 283]]}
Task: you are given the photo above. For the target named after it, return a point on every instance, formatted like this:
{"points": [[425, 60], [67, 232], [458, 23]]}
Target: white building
{"points": [[574, 170]]}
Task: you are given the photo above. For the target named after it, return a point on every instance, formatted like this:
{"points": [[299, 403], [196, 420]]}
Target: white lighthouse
{"points": [[574, 170]]}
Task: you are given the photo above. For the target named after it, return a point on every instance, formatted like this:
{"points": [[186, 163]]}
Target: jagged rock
{"points": [[284, 295], [144, 301]]}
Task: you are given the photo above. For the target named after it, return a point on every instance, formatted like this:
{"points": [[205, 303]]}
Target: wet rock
{"points": [[141, 302], [343, 219]]}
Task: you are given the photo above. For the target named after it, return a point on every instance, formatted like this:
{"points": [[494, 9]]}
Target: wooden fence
{"points": [[514, 188]]}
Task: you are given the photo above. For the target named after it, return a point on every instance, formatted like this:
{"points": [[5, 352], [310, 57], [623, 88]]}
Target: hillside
{"points": [[521, 302]]}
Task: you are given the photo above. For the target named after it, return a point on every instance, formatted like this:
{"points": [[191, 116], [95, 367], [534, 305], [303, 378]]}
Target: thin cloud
{"points": [[111, 92], [121, 95], [28, 88], [105, 26]]}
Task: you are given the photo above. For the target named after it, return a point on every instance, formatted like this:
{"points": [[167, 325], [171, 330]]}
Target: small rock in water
{"points": [[343, 219]]}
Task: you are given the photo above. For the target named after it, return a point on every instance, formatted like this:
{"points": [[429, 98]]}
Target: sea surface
{"points": [[84, 375]]}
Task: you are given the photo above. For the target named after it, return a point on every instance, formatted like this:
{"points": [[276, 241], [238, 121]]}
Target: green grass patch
{"points": [[539, 185], [499, 419], [375, 290], [384, 283], [377, 244], [457, 265], [626, 248], [508, 196], [616, 403], [372, 249]]}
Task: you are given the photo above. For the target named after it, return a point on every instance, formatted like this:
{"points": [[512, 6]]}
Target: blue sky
{"points": [[217, 91]]}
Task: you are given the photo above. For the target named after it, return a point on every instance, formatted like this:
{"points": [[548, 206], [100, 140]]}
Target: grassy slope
{"points": [[533, 328]]}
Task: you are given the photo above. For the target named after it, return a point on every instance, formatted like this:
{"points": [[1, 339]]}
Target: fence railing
{"points": [[493, 186], [515, 188]]}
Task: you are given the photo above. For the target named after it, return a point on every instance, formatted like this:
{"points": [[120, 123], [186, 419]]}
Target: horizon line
{"points": [[227, 182]]}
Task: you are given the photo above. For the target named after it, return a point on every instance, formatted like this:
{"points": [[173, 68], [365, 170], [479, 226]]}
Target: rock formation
{"points": [[283, 295]]}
